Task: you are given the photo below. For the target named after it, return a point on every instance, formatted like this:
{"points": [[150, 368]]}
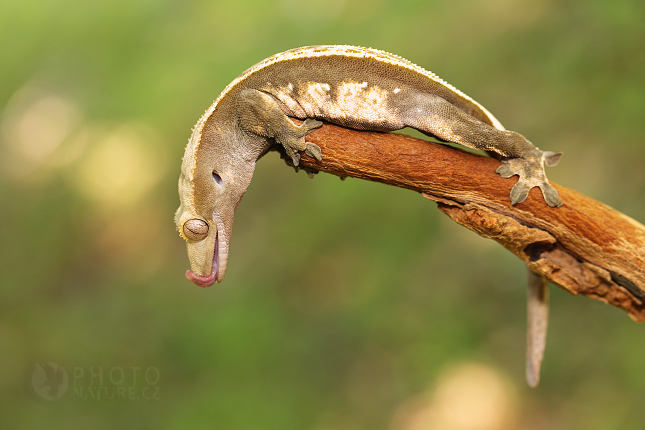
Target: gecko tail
{"points": [[537, 322]]}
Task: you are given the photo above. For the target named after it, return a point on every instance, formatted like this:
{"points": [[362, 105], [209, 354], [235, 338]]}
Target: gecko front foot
{"points": [[294, 140], [530, 169]]}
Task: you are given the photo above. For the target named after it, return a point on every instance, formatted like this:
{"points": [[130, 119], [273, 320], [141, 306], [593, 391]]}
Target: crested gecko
{"points": [[360, 88]]}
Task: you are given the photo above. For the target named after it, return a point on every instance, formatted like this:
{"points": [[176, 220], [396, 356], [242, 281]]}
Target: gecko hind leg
{"points": [[447, 122], [531, 174], [537, 322]]}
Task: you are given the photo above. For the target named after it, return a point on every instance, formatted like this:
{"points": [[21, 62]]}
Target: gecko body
{"points": [[360, 88]]}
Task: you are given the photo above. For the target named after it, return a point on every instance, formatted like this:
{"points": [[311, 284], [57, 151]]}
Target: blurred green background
{"points": [[346, 305]]}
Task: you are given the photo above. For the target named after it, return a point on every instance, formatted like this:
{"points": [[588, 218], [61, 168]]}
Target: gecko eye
{"points": [[217, 178], [195, 229]]}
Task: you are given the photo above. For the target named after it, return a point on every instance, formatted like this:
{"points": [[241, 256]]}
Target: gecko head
{"points": [[211, 186]]}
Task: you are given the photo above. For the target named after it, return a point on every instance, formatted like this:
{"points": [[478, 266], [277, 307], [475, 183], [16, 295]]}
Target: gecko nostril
{"points": [[217, 178]]}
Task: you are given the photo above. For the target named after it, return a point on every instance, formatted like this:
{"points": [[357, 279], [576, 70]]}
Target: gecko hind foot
{"points": [[531, 172], [294, 141]]}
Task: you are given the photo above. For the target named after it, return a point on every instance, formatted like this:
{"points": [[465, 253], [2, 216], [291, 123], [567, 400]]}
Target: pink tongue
{"points": [[201, 281]]}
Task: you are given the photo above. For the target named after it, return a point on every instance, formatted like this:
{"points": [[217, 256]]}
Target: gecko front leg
{"points": [[537, 322], [259, 113]]}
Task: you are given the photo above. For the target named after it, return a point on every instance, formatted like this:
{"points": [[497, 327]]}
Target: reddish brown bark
{"points": [[583, 246]]}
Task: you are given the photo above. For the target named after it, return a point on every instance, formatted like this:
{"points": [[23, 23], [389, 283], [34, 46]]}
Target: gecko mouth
{"points": [[208, 280]]}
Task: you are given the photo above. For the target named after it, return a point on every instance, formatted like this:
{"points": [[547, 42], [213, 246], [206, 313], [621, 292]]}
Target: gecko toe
{"points": [[505, 171], [295, 157], [310, 124], [313, 151], [519, 192], [551, 195]]}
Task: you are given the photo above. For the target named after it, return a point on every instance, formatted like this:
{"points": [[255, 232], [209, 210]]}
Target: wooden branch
{"points": [[584, 246]]}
